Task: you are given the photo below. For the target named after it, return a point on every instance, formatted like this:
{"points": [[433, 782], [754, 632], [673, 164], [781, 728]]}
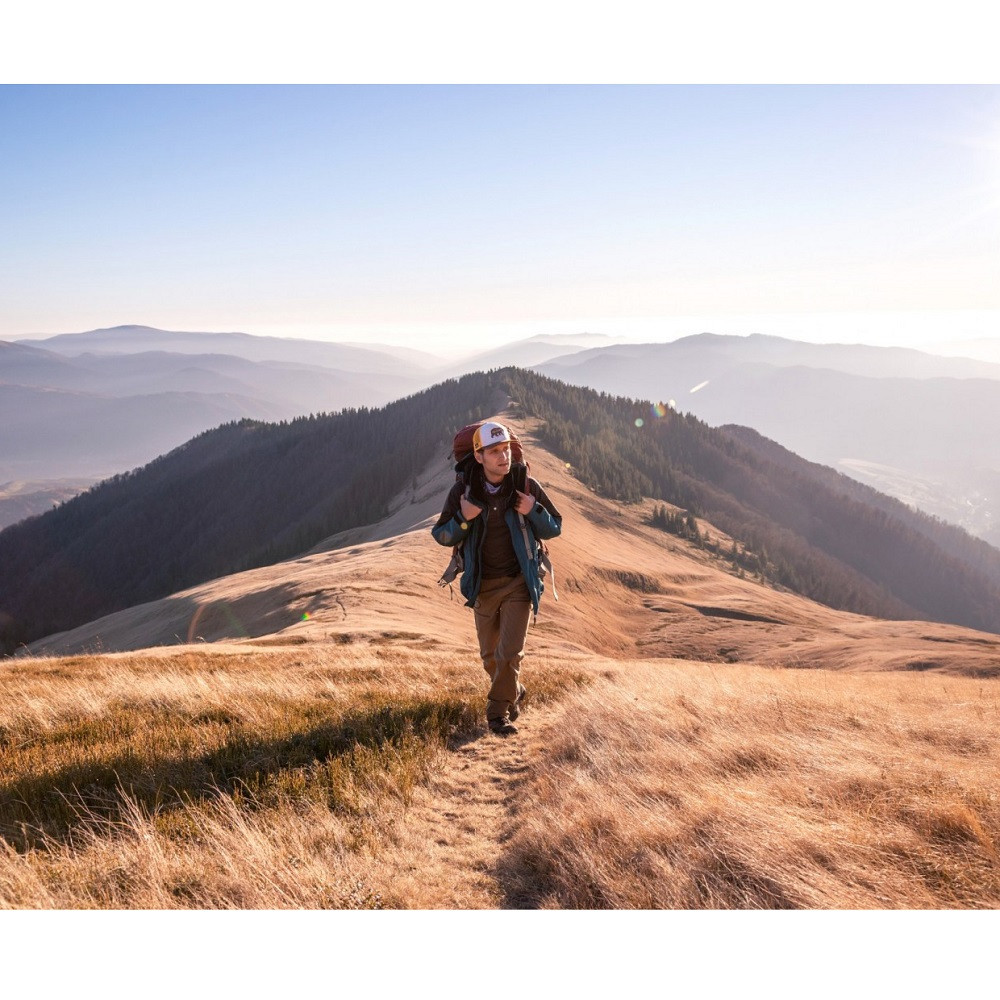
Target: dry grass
{"points": [[706, 787], [259, 780], [284, 778]]}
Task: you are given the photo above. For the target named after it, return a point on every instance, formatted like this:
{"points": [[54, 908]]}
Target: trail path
{"points": [[455, 830]]}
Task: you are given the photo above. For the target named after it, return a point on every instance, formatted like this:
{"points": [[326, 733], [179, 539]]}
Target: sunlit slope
{"points": [[362, 776], [625, 589]]}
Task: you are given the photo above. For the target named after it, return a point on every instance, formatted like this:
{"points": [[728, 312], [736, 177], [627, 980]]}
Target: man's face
{"points": [[495, 461]]}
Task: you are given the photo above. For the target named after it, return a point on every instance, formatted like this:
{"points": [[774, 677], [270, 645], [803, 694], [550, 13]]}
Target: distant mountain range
{"points": [[251, 493], [85, 406], [93, 404], [915, 425], [380, 359]]}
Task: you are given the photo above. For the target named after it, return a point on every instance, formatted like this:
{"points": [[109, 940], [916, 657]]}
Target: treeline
{"points": [[740, 559], [243, 495], [827, 542], [249, 493]]}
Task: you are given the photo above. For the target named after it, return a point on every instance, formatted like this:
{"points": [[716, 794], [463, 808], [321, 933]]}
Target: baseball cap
{"points": [[489, 434]]}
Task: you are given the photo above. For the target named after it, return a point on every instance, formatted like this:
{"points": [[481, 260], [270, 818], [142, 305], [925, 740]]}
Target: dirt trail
{"points": [[454, 831]]}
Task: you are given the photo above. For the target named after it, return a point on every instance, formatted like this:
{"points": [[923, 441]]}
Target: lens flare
{"points": [[659, 410], [208, 615], [639, 421]]}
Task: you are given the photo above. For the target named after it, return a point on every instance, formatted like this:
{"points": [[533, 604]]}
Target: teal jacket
{"points": [[544, 521]]}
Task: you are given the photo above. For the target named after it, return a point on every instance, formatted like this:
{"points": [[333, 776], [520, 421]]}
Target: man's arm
{"points": [[545, 519], [452, 526]]}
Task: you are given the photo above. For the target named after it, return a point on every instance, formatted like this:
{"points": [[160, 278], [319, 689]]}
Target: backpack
{"points": [[465, 464]]}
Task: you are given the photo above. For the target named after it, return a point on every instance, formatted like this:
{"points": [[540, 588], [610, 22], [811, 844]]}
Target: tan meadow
{"points": [[361, 776]]}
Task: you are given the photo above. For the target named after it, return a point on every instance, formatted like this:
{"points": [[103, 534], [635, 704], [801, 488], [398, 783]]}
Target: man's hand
{"points": [[525, 502], [469, 510]]}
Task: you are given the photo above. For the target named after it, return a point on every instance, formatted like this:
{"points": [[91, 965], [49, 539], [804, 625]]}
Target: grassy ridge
{"points": [[251, 494]]}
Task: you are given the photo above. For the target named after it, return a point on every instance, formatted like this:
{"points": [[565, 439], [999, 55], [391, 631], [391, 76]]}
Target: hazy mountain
{"points": [[906, 422], [21, 498], [56, 433], [250, 494], [532, 351], [284, 387], [60, 417], [139, 339], [692, 360], [23, 365], [983, 348], [409, 356]]}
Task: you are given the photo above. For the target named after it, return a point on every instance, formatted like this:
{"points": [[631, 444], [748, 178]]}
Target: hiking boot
{"points": [[515, 709], [501, 727]]}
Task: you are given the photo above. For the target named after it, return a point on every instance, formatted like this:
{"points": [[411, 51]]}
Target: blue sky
{"points": [[449, 216]]}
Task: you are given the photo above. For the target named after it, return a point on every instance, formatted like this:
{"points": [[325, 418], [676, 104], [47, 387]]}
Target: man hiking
{"points": [[498, 527]]}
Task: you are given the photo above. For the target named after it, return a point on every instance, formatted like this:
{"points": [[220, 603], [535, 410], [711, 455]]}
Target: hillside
{"points": [[806, 533], [251, 494], [626, 590], [242, 495], [316, 739], [951, 538]]}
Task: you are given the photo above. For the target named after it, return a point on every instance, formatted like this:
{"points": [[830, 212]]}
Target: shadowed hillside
{"points": [[250, 494], [821, 535], [243, 495]]}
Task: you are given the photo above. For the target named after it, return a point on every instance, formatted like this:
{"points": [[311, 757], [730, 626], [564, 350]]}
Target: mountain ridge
{"points": [[135, 339], [860, 417], [251, 494], [637, 592], [836, 415]]}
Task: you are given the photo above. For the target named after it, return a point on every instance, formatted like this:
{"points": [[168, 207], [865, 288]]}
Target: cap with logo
{"points": [[488, 434]]}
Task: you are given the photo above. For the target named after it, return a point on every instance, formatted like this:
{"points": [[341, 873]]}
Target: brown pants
{"points": [[502, 611]]}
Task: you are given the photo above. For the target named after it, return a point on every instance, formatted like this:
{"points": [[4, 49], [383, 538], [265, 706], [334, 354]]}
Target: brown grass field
{"points": [[310, 735]]}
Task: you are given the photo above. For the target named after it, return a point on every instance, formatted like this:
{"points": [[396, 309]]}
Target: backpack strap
{"points": [[541, 557], [452, 570], [457, 563], [545, 566]]}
